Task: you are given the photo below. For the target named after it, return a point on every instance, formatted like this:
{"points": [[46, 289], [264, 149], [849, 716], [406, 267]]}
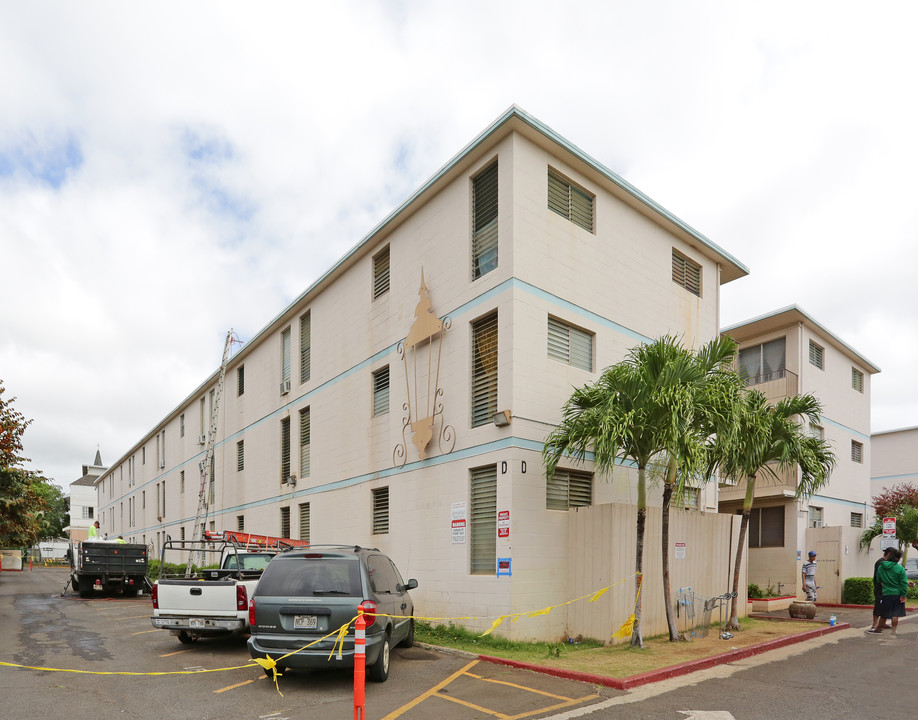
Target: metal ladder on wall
{"points": [[206, 465]]}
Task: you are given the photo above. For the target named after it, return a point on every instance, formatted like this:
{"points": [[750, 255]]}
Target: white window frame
{"points": [[484, 221], [568, 488], [570, 345], [570, 201], [687, 273], [817, 355]]}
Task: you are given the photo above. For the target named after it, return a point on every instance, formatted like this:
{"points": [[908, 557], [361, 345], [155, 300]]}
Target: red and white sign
{"points": [[503, 524], [458, 531], [680, 551], [889, 526]]}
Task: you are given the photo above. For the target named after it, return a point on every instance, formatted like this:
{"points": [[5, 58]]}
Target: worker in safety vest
{"points": [[120, 539], [94, 530]]}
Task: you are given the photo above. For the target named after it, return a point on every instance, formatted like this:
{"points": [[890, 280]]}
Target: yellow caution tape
{"points": [[340, 633]]}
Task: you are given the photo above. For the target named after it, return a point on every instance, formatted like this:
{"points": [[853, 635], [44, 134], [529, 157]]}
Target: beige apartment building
{"points": [[785, 353], [893, 459], [403, 399]]}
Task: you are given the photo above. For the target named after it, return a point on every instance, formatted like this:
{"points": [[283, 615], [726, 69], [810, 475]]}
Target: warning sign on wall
{"points": [[503, 524]]}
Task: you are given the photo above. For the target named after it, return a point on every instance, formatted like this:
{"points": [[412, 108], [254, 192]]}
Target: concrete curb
{"points": [[673, 670]]}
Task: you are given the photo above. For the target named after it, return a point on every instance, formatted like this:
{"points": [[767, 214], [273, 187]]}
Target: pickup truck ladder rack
{"points": [[206, 465]]}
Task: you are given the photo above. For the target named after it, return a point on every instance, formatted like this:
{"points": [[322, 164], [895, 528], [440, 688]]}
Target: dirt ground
{"points": [[621, 661]]}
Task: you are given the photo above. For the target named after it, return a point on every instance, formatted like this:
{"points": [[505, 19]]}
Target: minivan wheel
{"points": [[409, 638], [379, 670]]}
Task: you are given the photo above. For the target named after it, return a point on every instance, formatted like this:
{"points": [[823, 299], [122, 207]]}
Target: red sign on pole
{"points": [[889, 526]]}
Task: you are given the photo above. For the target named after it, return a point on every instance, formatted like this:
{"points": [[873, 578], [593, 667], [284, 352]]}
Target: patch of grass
{"points": [[619, 661]]}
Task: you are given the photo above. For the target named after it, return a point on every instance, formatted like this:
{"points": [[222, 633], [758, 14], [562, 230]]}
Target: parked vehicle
{"points": [[212, 598], [306, 594], [106, 566]]}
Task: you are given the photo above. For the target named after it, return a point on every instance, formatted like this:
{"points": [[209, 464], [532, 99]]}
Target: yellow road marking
{"points": [[569, 703], [522, 687], [473, 706], [231, 687], [423, 696], [144, 632], [177, 652]]}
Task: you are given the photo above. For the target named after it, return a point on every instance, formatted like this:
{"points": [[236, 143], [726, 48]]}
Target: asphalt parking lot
{"points": [[100, 657]]}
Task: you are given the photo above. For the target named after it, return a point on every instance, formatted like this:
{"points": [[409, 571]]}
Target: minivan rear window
{"points": [[322, 577]]}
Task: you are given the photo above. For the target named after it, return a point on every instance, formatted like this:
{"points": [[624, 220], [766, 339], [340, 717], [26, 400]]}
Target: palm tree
{"points": [[769, 437], [715, 387], [640, 408]]}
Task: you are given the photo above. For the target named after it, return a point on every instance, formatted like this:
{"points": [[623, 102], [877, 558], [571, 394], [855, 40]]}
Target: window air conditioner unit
{"points": [[162, 466], [202, 439], [285, 387], [817, 523], [291, 480]]}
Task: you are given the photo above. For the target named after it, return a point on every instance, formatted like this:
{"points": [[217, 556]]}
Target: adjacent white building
{"points": [[784, 353], [893, 459], [83, 500]]}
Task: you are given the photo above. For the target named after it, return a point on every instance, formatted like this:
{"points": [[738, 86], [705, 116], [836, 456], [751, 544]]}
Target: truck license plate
{"points": [[305, 622], [196, 623]]}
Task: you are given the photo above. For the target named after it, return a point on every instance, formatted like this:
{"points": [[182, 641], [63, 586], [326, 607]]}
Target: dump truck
{"points": [[99, 566]]}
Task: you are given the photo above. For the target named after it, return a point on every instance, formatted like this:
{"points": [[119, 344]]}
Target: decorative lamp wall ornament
{"points": [[420, 353]]}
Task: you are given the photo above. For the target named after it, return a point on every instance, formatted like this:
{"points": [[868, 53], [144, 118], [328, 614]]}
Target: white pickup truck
{"points": [[213, 597]]}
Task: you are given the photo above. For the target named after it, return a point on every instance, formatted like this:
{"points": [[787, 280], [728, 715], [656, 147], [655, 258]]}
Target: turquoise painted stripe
{"points": [[456, 456], [906, 476], [303, 400], [838, 501], [845, 428]]}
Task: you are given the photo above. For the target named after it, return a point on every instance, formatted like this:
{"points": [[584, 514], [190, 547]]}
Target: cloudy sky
{"points": [[171, 170]]}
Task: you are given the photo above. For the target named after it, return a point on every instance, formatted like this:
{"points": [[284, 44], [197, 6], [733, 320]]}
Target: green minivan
{"points": [[307, 593]]}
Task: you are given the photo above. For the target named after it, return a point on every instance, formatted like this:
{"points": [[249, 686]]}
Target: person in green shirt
{"points": [[894, 584], [94, 530]]}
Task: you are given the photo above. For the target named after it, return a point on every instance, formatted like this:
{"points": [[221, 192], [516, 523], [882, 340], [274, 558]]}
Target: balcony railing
{"points": [[775, 385]]}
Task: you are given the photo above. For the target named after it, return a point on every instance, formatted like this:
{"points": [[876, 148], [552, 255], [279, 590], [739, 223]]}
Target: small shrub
{"points": [[912, 593], [858, 591], [754, 592]]}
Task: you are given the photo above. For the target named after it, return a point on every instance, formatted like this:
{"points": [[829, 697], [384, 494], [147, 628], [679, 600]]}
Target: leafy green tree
{"points": [[769, 437], [900, 502], [57, 516], [644, 409], [22, 492]]}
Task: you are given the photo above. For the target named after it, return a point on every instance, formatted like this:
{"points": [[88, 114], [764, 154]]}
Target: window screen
{"points": [[569, 201], [484, 370], [380, 511], [305, 346], [567, 489], [305, 441], [285, 449], [483, 520], [484, 222], [570, 345], [381, 273], [687, 273], [381, 391]]}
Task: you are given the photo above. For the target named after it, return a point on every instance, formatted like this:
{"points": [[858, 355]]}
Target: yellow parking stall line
{"points": [[144, 632], [559, 706], [177, 652], [521, 687], [429, 693], [232, 687], [473, 706]]}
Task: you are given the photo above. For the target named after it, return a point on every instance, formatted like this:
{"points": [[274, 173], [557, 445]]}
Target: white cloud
{"points": [[230, 153]]}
